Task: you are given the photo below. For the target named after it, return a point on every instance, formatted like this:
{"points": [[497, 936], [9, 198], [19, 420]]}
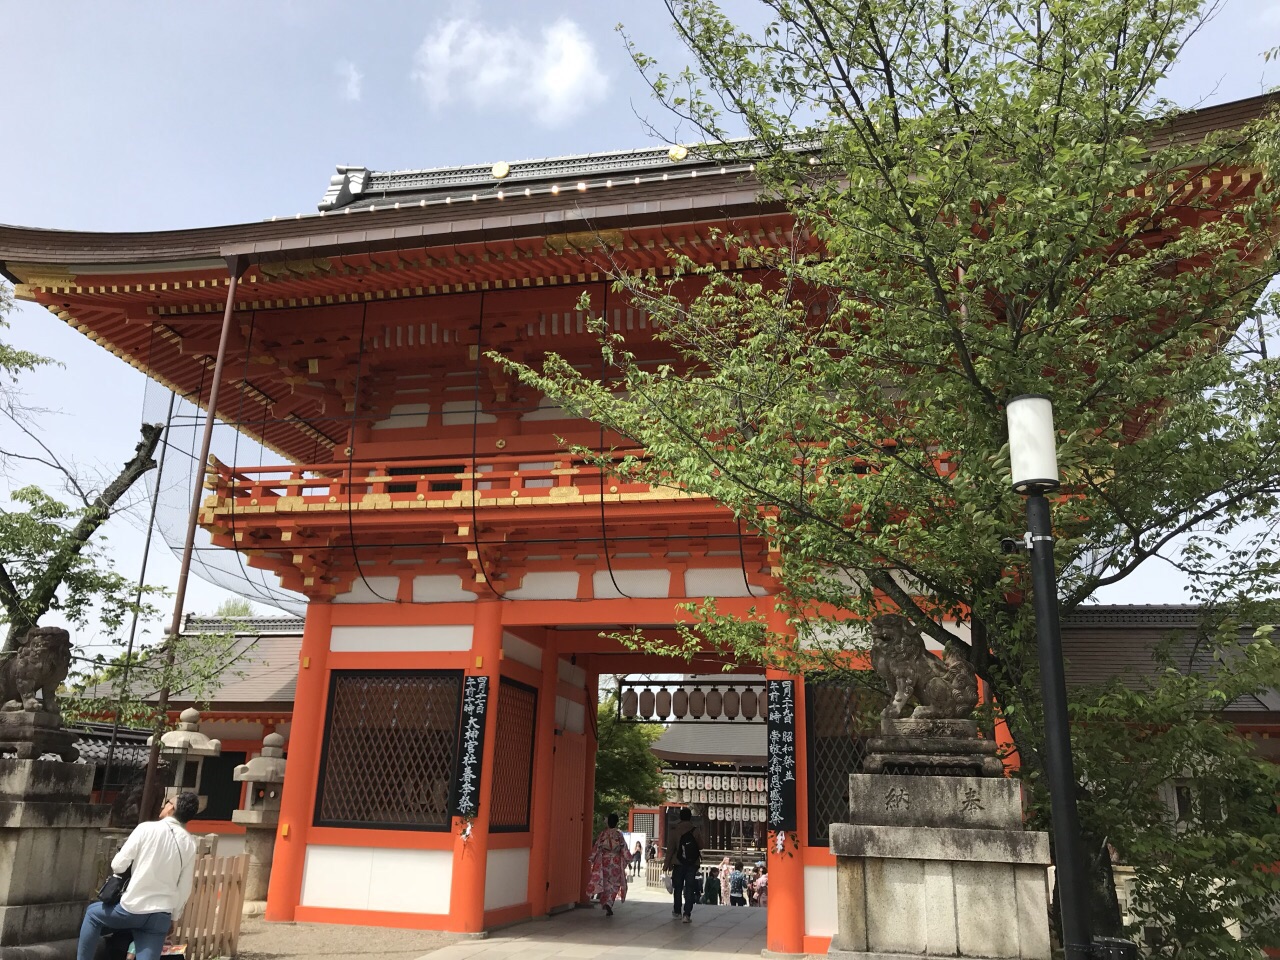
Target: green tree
{"points": [[989, 200], [234, 607], [49, 559], [627, 772]]}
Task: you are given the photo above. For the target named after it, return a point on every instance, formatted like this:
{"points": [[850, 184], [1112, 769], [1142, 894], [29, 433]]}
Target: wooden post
{"points": [[298, 801], [785, 925], [543, 772], [471, 855], [589, 771]]}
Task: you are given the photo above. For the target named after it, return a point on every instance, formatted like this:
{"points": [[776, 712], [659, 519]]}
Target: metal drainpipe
{"points": [[146, 808], [137, 597]]}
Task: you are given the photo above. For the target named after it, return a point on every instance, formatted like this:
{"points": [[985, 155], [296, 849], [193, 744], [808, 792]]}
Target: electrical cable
{"points": [[475, 452], [604, 527], [351, 449]]}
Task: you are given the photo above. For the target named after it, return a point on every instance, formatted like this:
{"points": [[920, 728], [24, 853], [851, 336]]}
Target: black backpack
{"points": [[688, 853]]}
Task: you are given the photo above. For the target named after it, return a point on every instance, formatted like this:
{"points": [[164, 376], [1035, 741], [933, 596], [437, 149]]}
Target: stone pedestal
{"points": [[48, 845], [932, 747], [939, 866], [29, 734]]}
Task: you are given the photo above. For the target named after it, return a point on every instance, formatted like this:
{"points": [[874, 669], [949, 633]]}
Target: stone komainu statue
{"points": [[944, 689], [40, 662]]}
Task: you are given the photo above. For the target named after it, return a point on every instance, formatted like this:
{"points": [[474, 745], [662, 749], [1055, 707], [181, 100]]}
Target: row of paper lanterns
{"points": [[706, 781], [660, 704], [716, 796], [750, 815]]}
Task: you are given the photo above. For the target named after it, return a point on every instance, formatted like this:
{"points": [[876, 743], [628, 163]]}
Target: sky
{"points": [[145, 116]]}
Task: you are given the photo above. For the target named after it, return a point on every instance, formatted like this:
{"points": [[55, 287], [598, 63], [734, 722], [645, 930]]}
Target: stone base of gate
{"points": [[48, 845], [950, 874]]}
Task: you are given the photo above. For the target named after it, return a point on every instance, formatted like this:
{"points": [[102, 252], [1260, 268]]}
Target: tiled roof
{"points": [[262, 667], [360, 187], [1106, 641], [693, 741], [94, 741], [239, 625]]}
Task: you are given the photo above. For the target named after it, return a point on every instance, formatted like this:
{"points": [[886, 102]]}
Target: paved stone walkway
{"points": [[638, 930]]}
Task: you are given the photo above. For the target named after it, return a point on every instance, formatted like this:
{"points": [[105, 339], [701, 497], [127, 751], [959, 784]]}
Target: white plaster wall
{"points": [[547, 585], [719, 582], [399, 639], [441, 588], [463, 411], [546, 411], [521, 651], [506, 878], [405, 415], [571, 674], [363, 878], [231, 730], [634, 583], [820, 901], [570, 716], [371, 590]]}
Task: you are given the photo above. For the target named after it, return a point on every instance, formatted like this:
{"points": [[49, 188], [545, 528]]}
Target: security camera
{"points": [[1009, 545]]}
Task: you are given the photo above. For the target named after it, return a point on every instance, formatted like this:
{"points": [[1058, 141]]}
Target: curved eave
{"points": [[602, 203]]}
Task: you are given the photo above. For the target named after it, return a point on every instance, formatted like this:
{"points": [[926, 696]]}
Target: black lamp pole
{"points": [[1072, 887]]}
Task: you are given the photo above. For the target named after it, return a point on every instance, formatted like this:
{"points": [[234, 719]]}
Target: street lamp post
{"points": [[1034, 459]]}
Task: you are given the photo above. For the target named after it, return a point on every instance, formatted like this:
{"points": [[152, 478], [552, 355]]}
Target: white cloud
{"points": [[352, 81], [553, 76]]}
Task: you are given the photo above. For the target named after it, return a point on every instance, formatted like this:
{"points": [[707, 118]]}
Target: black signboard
{"points": [[782, 754], [475, 709]]}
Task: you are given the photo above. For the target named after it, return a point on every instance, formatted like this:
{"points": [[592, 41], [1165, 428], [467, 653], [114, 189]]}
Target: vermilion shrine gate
{"points": [[424, 504]]}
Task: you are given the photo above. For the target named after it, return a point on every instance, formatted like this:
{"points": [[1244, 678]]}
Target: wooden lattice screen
{"points": [[389, 749], [513, 757]]}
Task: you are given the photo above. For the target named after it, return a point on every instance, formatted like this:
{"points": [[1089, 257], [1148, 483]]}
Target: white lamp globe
{"points": [[1033, 453]]}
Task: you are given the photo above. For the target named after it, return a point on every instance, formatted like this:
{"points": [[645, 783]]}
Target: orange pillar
{"points": [[785, 930], [470, 855], [543, 771], [589, 773], [298, 801]]}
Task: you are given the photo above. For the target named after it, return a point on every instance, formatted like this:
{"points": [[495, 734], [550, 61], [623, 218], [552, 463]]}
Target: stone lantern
{"points": [[265, 776], [186, 747]]}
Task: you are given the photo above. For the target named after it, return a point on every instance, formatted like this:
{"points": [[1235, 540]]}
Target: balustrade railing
{"points": [[426, 480]]}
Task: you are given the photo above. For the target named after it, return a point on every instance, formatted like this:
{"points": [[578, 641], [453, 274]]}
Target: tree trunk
{"points": [[25, 612]]}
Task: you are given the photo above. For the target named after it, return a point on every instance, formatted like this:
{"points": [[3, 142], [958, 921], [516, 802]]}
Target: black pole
{"points": [[1057, 736]]}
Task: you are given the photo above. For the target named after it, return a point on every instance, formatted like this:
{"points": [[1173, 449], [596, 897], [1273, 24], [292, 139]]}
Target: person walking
{"points": [[162, 858], [609, 859], [724, 869], [683, 859], [637, 857], [737, 886]]}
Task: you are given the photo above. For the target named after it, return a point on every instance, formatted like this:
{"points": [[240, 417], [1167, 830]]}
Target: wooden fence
{"points": [[210, 924]]}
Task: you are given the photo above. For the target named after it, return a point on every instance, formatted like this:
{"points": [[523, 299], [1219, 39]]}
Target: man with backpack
{"points": [[683, 859]]}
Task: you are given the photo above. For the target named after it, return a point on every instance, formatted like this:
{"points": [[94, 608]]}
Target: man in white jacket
{"points": [[162, 856]]}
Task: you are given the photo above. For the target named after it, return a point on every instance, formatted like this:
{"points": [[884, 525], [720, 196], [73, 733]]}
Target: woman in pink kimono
{"points": [[609, 859], [725, 869]]}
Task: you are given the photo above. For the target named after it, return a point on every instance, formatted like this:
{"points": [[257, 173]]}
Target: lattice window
{"points": [[646, 823], [841, 716], [389, 749], [513, 757]]}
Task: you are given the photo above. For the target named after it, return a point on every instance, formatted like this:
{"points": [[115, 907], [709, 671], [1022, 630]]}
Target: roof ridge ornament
{"points": [[344, 186]]}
